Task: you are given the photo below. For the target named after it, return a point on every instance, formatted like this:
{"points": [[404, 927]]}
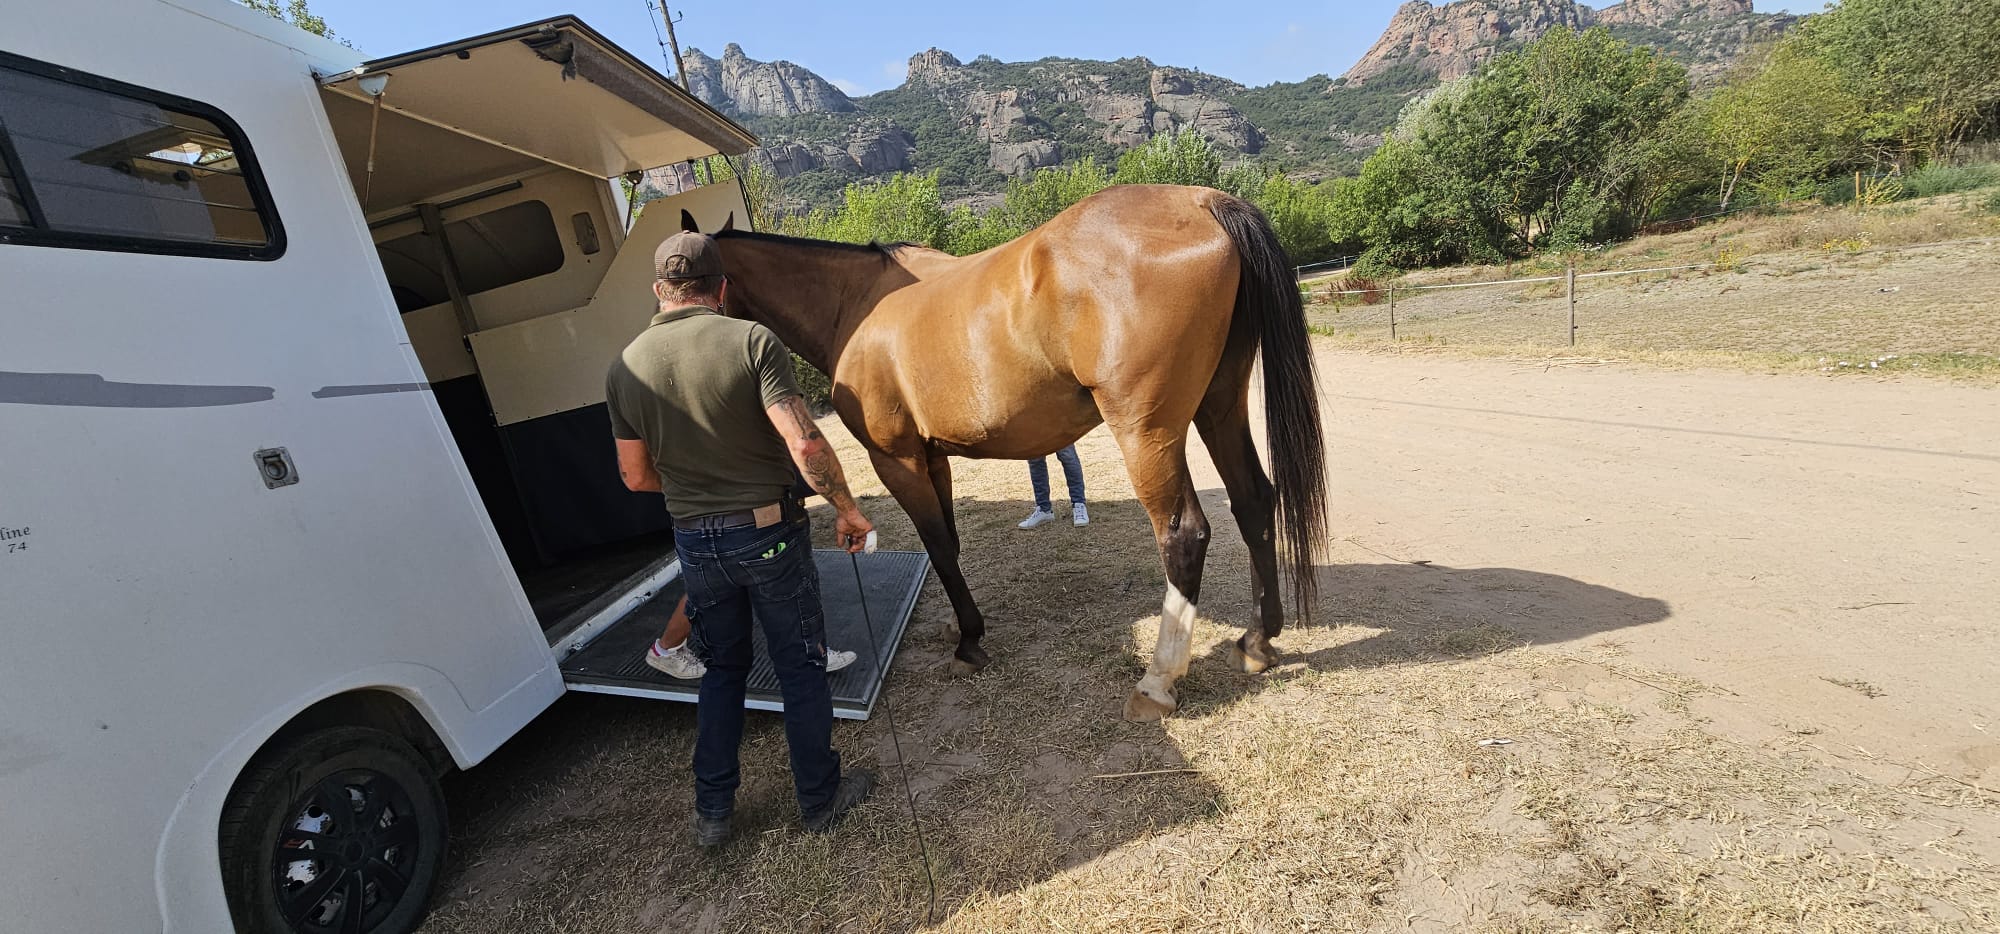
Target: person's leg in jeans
{"points": [[720, 612], [1073, 474], [1038, 476], [1072, 466], [785, 591]]}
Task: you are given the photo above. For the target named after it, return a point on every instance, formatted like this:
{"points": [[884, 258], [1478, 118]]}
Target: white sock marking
{"points": [[1170, 653]]}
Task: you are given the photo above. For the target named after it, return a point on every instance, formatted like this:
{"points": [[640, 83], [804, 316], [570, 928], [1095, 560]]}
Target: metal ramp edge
{"points": [[614, 661]]}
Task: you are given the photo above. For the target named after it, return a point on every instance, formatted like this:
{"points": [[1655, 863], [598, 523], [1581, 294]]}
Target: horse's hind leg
{"points": [[915, 483], [1157, 460], [1224, 420]]}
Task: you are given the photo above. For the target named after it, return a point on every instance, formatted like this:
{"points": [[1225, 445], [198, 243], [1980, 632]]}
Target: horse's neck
{"points": [[816, 298]]}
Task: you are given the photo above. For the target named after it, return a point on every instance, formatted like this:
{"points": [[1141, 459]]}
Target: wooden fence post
{"points": [[1570, 287], [1392, 313]]}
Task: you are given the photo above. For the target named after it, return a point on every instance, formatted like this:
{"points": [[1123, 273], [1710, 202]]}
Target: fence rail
{"points": [[1331, 266], [1569, 277]]}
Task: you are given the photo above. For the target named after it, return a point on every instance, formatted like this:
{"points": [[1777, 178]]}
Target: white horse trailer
{"points": [[304, 479]]}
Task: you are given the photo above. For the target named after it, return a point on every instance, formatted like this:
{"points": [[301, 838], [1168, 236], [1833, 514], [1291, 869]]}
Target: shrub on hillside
{"points": [[818, 389], [1937, 179]]}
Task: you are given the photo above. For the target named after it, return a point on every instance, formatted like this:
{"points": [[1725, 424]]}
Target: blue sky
{"points": [[863, 47]]}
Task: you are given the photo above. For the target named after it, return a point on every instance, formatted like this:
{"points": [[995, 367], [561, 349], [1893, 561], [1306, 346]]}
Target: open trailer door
{"points": [[438, 136], [555, 91], [447, 125]]}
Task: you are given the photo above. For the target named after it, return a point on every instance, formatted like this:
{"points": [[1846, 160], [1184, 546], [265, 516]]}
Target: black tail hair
{"points": [[1268, 301]]}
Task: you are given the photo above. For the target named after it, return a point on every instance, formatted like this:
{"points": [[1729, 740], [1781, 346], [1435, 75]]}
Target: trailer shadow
{"points": [[1018, 774]]}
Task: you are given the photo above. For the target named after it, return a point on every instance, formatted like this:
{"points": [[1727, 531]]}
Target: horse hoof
{"points": [[1142, 707], [967, 667], [1251, 661]]}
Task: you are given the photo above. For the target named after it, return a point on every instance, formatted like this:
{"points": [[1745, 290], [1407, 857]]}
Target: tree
{"points": [[1924, 70], [1536, 149], [1028, 203], [294, 12], [763, 192], [904, 209], [1181, 158], [1783, 120]]}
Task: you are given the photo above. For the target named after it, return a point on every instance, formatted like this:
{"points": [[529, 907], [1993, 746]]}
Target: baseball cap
{"points": [[687, 255]]}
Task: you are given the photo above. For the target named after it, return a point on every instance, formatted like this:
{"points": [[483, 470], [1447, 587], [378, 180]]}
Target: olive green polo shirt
{"points": [[694, 387]]}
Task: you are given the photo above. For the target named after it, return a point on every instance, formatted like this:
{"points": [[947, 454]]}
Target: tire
{"points": [[288, 807]]}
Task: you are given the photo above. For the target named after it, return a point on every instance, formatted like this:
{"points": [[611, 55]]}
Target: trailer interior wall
{"points": [[518, 368]]}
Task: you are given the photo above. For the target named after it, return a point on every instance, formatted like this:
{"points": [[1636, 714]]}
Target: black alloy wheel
{"points": [[341, 831]]}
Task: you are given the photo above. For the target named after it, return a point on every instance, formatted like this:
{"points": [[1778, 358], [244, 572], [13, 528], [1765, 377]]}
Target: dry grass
{"points": [[1812, 290], [1344, 790]]}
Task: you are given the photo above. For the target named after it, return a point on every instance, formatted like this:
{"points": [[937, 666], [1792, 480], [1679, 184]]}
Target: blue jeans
{"points": [[729, 577], [1038, 474]]}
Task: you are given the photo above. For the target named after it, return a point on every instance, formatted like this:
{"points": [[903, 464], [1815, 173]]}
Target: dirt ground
{"points": [[1807, 291], [1603, 648]]}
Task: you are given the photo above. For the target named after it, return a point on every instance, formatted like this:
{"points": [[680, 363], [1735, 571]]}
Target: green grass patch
{"points": [[1949, 365], [1933, 180]]}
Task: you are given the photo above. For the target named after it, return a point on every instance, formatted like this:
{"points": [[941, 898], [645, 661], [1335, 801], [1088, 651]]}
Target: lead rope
{"points": [[916, 826]]}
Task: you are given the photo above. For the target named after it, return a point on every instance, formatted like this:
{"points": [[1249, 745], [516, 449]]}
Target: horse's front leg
{"points": [[912, 482]]}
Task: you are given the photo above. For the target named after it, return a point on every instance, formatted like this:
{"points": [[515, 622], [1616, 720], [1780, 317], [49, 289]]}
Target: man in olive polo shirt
{"points": [[704, 410]]}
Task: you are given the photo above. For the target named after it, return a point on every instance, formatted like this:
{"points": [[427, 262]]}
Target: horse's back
{"points": [[1127, 295]]}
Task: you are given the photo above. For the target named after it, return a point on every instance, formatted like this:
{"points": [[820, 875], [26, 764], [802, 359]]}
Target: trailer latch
{"points": [[276, 466]]}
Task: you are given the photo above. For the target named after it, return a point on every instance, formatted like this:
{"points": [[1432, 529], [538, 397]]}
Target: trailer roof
{"points": [[555, 90]]}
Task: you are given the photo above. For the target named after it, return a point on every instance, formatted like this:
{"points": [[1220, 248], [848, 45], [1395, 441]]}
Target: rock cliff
{"points": [[983, 121], [1450, 41], [743, 86]]}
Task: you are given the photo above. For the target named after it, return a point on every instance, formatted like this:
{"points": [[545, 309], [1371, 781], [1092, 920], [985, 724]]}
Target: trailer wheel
{"points": [[338, 830]]}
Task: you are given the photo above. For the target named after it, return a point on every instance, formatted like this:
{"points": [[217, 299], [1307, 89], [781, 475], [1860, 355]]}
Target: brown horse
{"points": [[1142, 307]]}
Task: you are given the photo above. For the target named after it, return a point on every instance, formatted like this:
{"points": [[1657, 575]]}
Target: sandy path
{"points": [[1826, 547]]}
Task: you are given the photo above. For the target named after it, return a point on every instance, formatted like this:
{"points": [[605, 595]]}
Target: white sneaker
{"points": [[1037, 517], [837, 659], [1079, 514], [678, 662]]}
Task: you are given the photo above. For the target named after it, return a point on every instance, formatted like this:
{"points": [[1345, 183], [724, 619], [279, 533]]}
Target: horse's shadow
{"points": [[1020, 773], [1029, 747]]}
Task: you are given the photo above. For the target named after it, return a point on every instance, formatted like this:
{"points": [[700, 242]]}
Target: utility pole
{"points": [[680, 68], [681, 74]]}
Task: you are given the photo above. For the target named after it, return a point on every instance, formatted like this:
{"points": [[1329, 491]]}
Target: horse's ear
{"points": [[729, 223], [687, 222]]}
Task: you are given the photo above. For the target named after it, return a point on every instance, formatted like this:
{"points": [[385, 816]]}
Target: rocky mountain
{"points": [[981, 122], [760, 89], [1450, 41]]}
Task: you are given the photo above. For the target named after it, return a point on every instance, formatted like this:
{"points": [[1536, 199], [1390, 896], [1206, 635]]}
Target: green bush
{"points": [[1936, 179], [1993, 202], [1183, 158], [818, 389]]}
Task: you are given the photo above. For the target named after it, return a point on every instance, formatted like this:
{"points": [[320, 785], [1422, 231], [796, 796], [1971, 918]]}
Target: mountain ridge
{"points": [[982, 122]]}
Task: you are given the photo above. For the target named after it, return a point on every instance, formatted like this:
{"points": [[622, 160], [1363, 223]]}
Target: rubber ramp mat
{"points": [[614, 662]]}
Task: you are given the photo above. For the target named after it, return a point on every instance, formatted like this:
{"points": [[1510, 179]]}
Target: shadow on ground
{"points": [[580, 823]]}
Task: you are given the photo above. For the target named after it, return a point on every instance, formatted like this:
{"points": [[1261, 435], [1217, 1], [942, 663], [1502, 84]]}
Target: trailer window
{"points": [[96, 164], [13, 212], [500, 247]]}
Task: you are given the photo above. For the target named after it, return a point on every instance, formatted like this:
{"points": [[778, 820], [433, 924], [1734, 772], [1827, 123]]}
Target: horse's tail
{"points": [[1268, 301]]}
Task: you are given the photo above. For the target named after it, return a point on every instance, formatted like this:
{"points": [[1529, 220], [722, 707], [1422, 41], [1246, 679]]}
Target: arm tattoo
{"points": [[818, 463], [802, 419]]}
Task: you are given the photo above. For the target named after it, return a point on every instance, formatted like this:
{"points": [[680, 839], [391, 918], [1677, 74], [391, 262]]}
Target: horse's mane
{"points": [[887, 250]]}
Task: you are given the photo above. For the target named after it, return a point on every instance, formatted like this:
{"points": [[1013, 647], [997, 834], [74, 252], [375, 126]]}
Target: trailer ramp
{"points": [[614, 662]]}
